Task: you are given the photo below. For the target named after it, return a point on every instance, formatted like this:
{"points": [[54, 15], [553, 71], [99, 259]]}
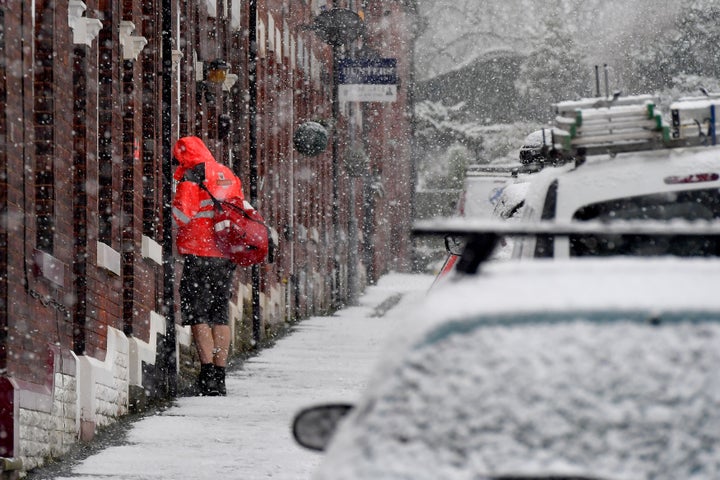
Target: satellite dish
{"points": [[338, 26]]}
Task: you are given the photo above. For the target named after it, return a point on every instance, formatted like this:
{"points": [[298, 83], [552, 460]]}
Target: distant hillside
{"points": [[607, 31], [485, 85]]}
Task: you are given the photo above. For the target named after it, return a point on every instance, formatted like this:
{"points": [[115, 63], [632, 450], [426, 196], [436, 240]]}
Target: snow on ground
{"points": [[246, 435]]}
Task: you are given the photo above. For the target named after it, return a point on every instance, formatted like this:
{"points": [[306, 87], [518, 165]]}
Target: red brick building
{"points": [[94, 93]]}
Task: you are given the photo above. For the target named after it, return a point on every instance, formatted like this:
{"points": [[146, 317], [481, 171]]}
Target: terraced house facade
{"points": [[93, 95]]}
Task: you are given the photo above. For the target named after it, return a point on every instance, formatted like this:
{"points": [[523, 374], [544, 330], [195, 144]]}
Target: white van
{"points": [[611, 176], [653, 185]]}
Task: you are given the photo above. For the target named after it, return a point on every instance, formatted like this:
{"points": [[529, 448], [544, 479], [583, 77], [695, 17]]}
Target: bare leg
{"points": [[221, 337], [203, 336]]}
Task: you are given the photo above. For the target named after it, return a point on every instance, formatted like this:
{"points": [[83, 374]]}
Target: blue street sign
{"points": [[377, 71]]}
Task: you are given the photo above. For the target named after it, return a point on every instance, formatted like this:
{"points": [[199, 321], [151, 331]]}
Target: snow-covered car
{"points": [[534, 147], [565, 369], [483, 187], [490, 191], [511, 200]]}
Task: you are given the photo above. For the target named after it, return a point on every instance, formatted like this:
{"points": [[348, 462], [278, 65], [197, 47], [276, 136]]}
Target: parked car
{"points": [[489, 192], [534, 149], [484, 186], [571, 368]]}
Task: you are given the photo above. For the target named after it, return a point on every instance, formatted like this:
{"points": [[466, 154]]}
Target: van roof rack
{"points": [[570, 107], [597, 126], [471, 226], [696, 118], [482, 235], [609, 125]]}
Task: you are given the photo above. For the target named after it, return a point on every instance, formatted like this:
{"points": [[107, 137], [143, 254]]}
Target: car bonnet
{"points": [[600, 367]]}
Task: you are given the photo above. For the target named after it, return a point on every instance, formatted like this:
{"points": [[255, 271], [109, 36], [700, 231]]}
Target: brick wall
{"points": [[81, 162], [4, 232], [391, 166]]}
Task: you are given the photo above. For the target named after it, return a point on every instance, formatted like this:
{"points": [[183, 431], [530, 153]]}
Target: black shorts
{"points": [[205, 290]]}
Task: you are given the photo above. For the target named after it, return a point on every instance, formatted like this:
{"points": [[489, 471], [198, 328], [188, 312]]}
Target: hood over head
{"points": [[190, 152]]}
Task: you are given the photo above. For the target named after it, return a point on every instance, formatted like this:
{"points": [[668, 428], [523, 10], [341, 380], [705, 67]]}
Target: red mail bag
{"points": [[240, 233]]}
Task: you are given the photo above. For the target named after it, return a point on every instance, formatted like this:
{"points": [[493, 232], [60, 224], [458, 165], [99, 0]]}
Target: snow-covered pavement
{"points": [[246, 435]]}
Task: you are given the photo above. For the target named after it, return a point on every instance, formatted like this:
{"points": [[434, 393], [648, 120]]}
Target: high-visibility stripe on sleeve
{"points": [[220, 226], [206, 203], [205, 214], [180, 216]]}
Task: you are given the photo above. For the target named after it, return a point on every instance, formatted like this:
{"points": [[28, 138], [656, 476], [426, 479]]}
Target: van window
{"points": [[687, 205]]}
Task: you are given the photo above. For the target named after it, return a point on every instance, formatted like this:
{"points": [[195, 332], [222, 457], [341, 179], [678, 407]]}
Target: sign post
{"points": [[337, 27]]}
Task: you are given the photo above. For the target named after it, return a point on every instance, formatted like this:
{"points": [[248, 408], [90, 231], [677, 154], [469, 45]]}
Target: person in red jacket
{"points": [[206, 283]]}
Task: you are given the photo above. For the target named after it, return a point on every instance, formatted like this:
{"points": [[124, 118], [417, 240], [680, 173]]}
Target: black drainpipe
{"points": [[168, 353], [252, 155]]}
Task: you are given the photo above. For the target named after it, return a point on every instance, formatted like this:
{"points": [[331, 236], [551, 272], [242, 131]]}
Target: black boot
{"points": [[220, 380], [207, 384]]}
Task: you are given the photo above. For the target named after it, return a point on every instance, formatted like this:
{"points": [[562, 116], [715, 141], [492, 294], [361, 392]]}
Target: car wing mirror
{"points": [[454, 244], [313, 427]]}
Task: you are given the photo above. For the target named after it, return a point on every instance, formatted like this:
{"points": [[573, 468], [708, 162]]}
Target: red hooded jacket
{"points": [[192, 207]]}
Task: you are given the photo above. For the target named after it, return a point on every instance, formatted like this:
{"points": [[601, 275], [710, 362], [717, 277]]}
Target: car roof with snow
{"points": [[484, 187], [606, 177], [606, 368]]}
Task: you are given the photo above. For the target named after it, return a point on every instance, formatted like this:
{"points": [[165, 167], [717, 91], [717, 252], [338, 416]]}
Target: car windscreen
{"points": [[613, 394], [685, 205]]}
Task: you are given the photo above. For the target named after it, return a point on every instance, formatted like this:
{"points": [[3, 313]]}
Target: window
{"points": [[687, 205], [105, 136], [44, 123]]}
